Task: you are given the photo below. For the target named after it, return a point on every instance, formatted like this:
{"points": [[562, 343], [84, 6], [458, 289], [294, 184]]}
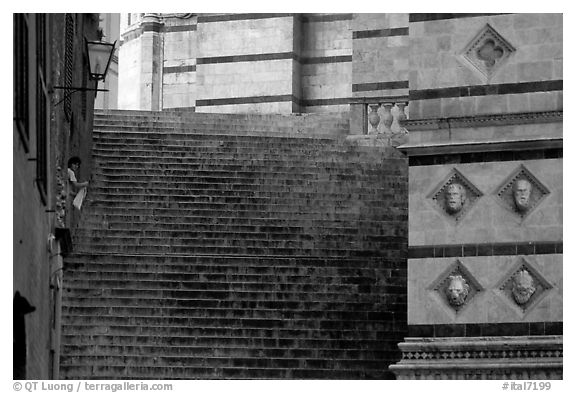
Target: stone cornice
{"points": [[484, 120], [487, 146], [491, 357]]}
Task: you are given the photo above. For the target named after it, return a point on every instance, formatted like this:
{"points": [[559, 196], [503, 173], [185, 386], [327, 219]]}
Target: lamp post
{"points": [[99, 57]]}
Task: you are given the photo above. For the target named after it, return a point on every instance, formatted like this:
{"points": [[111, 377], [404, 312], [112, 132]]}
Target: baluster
{"points": [[374, 118], [388, 118], [401, 113]]}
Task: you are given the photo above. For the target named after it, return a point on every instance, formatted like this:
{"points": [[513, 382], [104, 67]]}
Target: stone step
{"points": [[203, 295], [219, 246], [121, 220], [214, 362], [99, 239], [258, 130], [174, 114], [253, 144], [226, 196], [226, 164], [230, 118], [104, 372], [266, 189], [227, 239], [217, 313], [97, 228], [353, 212], [311, 157], [325, 328], [289, 249], [240, 281], [172, 153], [245, 204], [75, 300], [370, 331], [255, 179], [232, 352], [339, 174], [203, 262], [215, 133]]}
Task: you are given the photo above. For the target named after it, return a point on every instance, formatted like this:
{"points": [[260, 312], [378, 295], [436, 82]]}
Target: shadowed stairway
{"points": [[236, 246]]}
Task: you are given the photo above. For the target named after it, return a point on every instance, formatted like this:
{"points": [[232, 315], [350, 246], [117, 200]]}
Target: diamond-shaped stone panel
{"points": [[523, 285], [456, 286], [487, 51], [443, 195], [521, 192]]}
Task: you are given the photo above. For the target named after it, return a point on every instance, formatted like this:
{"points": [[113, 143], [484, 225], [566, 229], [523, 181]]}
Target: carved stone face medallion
{"points": [[457, 290], [522, 286], [521, 192], [455, 287], [455, 198]]}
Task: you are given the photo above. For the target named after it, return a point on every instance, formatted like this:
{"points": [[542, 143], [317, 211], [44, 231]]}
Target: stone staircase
{"points": [[236, 246]]}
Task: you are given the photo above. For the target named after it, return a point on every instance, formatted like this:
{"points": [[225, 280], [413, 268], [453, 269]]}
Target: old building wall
{"points": [[46, 133], [110, 24], [246, 63], [529, 80], [326, 62], [179, 62], [380, 64], [485, 120]]}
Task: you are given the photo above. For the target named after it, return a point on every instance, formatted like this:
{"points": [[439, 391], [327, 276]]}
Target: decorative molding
{"points": [[486, 329], [484, 120], [534, 357], [427, 149], [485, 249], [487, 90], [315, 18], [486, 53], [413, 18], [393, 32], [202, 18], [490, 156], [179, 69], [374, 86], [177, 15], [245, 100]]}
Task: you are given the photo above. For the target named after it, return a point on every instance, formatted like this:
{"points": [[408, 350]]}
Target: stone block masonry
{"points": [[237, 246]]}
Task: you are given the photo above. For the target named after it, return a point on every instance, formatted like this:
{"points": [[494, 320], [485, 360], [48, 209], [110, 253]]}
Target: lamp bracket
{"points": [[73, 90]]}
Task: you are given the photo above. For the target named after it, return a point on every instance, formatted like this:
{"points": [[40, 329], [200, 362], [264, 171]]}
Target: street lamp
{"points": [[99, 57]]}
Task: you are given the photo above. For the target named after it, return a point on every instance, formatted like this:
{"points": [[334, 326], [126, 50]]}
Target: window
{"points": [[41, 108], [68, 64], [20, 76]]}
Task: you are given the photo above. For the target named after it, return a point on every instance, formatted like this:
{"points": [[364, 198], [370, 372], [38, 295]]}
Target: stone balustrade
{"points": [[386, 117]]}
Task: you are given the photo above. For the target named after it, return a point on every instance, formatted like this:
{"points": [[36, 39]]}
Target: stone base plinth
{"points": [[373, 140], [509, 357]]}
